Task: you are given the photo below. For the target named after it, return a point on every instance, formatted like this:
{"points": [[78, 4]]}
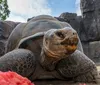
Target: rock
{"points": [[94, 48], [87, 5], [68, 16], [91, 27], [86, 48], [60, 19], [82, 33], [72, 19], [29, 19], [6, 28], [91, 19]]}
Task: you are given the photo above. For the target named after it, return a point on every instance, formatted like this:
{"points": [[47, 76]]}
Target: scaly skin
{"points": [[21, 61], [78, 67]]}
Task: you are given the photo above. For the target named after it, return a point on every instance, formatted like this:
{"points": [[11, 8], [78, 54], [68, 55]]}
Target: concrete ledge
{"points": [[59, 82]]}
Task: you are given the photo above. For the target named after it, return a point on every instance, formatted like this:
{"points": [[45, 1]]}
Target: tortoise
{"points": [[45, 48]]}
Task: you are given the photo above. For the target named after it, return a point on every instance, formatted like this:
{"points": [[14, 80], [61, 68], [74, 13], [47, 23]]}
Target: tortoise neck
{"points": [[47, 61]]}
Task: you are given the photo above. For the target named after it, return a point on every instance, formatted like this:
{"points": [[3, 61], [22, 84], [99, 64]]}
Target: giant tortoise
{"points": [[45, 48]]}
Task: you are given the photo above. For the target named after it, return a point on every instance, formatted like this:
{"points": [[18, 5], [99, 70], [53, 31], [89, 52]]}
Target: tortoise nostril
{"points": [[60, 34], [73, 33]]}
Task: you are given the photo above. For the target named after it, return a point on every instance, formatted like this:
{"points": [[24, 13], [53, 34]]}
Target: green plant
{"points": [[4, 11]]}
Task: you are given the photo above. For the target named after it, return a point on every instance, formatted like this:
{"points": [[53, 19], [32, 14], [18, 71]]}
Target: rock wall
{"points": [[91, 19], [87, 26]]}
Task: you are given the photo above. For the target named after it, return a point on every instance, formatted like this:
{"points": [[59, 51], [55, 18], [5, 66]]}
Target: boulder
{"points": [[60, 19], [6, 28], [94, 49], [68, 16], [72, 19]]}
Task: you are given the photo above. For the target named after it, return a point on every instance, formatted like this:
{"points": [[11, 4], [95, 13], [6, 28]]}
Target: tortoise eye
{"points": [[60, 34]]}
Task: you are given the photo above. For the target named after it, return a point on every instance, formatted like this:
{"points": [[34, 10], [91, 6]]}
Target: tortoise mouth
{"points": [[70, 44], [70, 48]]}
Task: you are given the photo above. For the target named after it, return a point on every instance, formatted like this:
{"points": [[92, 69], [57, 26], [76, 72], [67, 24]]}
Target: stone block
{"points": [[94, 50]]}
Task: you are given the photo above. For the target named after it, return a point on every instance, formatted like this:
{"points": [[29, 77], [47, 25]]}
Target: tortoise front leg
{"points": [[21, 61], [78, 68]]}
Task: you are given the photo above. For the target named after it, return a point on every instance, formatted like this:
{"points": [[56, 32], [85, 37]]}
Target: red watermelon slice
{"points": [[12, 78]]}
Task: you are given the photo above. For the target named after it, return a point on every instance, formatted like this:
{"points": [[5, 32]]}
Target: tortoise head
{"points": [[59, 43]]}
